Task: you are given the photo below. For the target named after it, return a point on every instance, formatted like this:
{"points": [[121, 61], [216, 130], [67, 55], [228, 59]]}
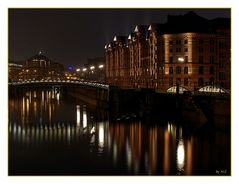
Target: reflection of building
{"points": [[40, 67], [187, 49], [13, 71]]}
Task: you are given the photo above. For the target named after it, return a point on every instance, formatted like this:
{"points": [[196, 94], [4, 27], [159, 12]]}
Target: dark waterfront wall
{"points": [[90, 95], [198, 108]]}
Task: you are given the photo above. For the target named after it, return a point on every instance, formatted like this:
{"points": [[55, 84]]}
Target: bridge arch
{"points": [[213, 89], [173, 89]]}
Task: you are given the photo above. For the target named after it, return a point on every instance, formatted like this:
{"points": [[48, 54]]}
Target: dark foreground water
{"points": [[53, 134]]}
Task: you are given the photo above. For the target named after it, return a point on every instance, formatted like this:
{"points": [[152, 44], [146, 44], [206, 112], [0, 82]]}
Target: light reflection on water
{"points": [[49, 122]]}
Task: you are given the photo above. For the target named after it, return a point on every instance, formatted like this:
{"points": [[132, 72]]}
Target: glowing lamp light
{"points": [[70, 68], [101, 66], [84, 69], [181, 59], [92, 67], [78, 69]]}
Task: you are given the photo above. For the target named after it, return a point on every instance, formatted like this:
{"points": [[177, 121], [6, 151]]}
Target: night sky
{"points": [[70, 36]]}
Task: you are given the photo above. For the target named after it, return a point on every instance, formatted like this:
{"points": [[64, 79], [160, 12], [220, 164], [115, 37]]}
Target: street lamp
{"points": [[78, 70], [101, 66], [84, 69], [92, 67], [180, 59]]}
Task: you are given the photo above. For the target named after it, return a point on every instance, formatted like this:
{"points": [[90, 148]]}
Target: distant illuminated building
{"points": [[39, 67], [189, 50], [13, 71]]}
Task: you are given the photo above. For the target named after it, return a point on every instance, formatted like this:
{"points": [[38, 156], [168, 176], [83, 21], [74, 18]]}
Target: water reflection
{"points": [[84, 117], [180, 155], [41, 120], [101, 137], [78, 115]]}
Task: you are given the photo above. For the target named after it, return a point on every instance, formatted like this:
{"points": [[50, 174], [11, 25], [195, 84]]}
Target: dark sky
{"points": [[70, 36]]}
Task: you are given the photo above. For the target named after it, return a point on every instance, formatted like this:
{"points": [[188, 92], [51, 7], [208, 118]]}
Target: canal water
{"points": [[51, 133]]}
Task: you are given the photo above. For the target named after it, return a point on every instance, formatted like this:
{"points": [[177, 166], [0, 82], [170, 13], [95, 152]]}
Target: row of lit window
{"points": [[186, 81], [200, 70], [200, 49], [178, 42]]}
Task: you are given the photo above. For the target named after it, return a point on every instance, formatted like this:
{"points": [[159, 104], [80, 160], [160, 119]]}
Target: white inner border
{"points": [[5, 4]]}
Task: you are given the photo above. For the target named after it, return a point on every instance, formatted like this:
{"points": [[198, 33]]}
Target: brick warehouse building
{"points": [[187, 49]]}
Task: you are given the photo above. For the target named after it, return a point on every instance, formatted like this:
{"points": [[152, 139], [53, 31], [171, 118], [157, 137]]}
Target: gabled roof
{"points": [[191, 22]]}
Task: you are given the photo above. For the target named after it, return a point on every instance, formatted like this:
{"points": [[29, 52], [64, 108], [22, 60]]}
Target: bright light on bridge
{"points": [[37, 82], [101, 66]]}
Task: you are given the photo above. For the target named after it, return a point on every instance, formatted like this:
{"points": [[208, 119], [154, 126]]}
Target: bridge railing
{"points": [[86, 83]]}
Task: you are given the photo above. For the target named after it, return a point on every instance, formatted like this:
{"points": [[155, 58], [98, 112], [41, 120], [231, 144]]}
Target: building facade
{"points": [[189, 50], [13, 71], [39, 67]]}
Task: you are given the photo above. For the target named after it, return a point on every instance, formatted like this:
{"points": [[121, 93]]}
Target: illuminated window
{"points": [[170, 70], [211, 70], [186, 59], [211, 80], [201, 70], [170, 81], [185, 81], [211, 59], [212, 49], [178, 70], [200, 59], [178, 42], [186, 70], [211, 42], [201, 42], [178, 80], [170, 59], [200, 82], [221, 76], [221, 65]]}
